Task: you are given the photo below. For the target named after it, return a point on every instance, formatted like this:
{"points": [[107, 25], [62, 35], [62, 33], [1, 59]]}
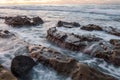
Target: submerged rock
{"points": [[23, 21], [66, 65], [67, 24], [91, 27], [5, 34], [70, 41], [21, 66], [5, 74], [113, 31]]}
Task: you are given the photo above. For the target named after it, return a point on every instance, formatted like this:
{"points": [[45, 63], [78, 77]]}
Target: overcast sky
{"points": [[61, 1]]}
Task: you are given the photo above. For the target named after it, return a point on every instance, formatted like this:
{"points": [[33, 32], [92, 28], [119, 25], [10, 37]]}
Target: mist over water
{"points": [[103, 15]]}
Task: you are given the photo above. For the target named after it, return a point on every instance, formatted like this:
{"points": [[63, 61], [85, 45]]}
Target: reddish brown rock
{"points": [[23, 21], [67, 24], [66, 65], [91, 27], [5, 74], [70, 41]]}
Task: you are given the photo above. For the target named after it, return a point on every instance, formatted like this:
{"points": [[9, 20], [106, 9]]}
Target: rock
{"points": [[66, 65], [21, 66], [106, 51], [23, 21], [109, 30], [5, 34], [115, 42], [37, 20], [91, 27], [5, 74], [70, 41], [113, 31], [67, 24]]}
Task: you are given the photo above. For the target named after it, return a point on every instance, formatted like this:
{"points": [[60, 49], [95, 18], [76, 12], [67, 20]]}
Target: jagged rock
{"points": [[67, 24], [91, 27], [105, 50], [66, 65], [23, 21], [5, 74], [70, 41], [21, 66]]}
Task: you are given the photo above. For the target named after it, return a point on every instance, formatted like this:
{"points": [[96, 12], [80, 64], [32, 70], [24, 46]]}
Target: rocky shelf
{"points": [[61, 63], [66, 65], [89, 44]]}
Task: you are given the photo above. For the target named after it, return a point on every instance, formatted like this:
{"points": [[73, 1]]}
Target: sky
{"points": [[61, 1]]}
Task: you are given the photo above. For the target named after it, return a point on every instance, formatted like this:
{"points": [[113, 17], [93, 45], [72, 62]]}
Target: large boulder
{"points": [[66, 65], [21, 66], [23, 21], [91, 27], [67, 24], [70, 41]]}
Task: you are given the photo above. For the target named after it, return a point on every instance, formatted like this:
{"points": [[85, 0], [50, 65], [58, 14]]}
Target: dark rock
{"points": [[5, 34], [67, 24], [92, 27], [23, 21], [37, 20], [70, 41], [21, 66], [66, 65]]}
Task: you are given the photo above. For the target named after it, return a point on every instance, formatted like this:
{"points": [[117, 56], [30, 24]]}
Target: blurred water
{"points": [[103, 15]]}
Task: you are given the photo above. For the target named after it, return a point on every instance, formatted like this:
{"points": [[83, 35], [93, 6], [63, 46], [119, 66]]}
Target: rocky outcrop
{"points": [[94, 46], [105, 50], [113, 31], [66, 65], [23, 21], [70, 41], [67, 24], [21, 66], [5, 74], [91, 27], [109, 30]]}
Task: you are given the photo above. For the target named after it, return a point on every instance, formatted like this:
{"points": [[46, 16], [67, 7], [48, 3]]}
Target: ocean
{"points": [[103, 15]]}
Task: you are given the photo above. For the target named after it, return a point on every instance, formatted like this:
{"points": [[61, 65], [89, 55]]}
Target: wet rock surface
{"points": [[21, 66], [66, 65], [61, 63], [23, 21], [5, 74], [70, 41], [109, 30], [105, 50], [91, 27], [96, 47], [67, 24]]}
